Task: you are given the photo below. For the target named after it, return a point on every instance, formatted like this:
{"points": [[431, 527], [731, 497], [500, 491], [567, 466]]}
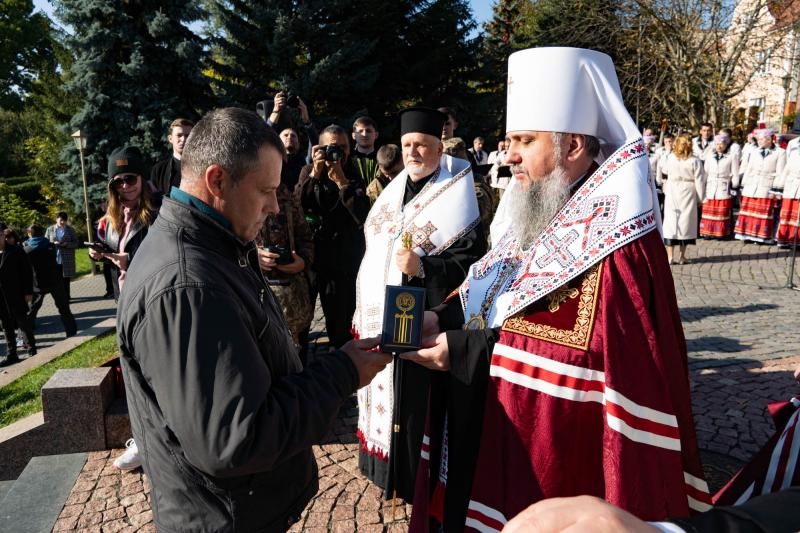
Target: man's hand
{"points": [[318, 160], [435, 355], [368, 363], [266, 259], [279, 102], [301, 106], [579, 513], [430, 324], [408, 262], [295, 267]]}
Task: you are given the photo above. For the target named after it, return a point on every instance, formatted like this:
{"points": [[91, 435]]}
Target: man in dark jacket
{"points": [[223, 413], [47, 278], [332, 193], [166, 174], [16, 292]]}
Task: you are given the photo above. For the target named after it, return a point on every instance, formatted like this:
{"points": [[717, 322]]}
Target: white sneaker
{"points": [[130, 459]]}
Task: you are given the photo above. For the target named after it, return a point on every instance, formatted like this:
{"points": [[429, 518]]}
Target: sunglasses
{"points": [[127, 179]]}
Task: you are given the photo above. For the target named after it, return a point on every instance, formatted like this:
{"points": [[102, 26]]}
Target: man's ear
{"points": [[353, 135], [577, 147], [215, 178]]}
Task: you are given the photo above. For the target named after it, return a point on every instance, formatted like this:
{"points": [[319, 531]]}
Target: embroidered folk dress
{"points": [[578, 384], [721, 170], [788, 184], [755, 220]]}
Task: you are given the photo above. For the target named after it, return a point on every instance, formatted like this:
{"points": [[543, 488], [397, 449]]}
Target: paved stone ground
{"points": [[740, 325]]}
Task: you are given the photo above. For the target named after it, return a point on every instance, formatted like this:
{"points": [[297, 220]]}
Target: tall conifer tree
{"points": [[137, 66]]}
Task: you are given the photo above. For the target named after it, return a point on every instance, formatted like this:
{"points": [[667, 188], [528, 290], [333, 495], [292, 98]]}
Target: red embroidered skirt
{"points": [[716, 219], [755, 219], [787, 227]]}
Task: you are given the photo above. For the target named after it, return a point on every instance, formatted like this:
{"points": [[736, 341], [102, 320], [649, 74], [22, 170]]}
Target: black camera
{"points": [[284, 255], [333, 152], [292, 100]]}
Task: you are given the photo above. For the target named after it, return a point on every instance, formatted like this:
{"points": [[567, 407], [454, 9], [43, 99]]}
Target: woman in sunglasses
{"points": [[131, 211]]}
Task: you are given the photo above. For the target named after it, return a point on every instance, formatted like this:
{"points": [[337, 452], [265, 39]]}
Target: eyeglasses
{"points": [[127, 179]]}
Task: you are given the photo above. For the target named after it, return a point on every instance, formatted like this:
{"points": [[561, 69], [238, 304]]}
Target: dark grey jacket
{"points": [[221, 411]]}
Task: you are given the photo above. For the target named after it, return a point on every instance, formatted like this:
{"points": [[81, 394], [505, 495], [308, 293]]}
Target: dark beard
{"points": [[532, 209]]}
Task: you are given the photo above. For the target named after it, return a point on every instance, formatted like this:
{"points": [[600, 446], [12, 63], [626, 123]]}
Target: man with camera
{"points": [[332, 192]]}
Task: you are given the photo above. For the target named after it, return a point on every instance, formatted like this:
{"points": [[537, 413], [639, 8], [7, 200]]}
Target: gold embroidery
{"points": [[559, 296], [578, 336]]}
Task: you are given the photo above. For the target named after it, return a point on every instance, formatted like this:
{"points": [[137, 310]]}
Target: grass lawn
{"points": [[23, 397], [83, 264]]}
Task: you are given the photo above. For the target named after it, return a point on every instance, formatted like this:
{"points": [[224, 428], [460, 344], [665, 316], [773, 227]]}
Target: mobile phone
{"points": [[98, 247]]}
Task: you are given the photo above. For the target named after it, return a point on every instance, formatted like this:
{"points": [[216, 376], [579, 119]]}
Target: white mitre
{"points": [[584, 97]]}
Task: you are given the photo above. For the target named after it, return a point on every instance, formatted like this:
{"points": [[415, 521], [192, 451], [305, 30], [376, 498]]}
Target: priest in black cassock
{"points": [[424, 230]]}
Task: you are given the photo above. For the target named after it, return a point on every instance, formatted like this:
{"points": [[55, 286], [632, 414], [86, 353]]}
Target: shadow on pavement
{"points": [[690, 314]]}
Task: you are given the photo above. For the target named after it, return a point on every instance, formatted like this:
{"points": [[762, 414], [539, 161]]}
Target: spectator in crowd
{"points": [[433, 204], [455, 147], [450, 125], [662, 152], [750, 146], [499, 174], [365, 133], [755, 222], [787, 187], [278, 121], [721, 170], [390, 164], [285, 247], [477, 151], [502, 146], [566, 367], [47, 279], [166, 174], [66, 240], [130, 213], [332, 192], [734, 148], [703, 144], [225, 413], [16, 294], [683, 188], [294, 160]]}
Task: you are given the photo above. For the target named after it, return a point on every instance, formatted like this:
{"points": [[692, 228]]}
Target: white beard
{"points": [[533, 208]]}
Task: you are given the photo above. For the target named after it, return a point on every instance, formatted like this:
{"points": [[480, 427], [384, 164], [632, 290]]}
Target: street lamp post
{"points": [[80, 144]]}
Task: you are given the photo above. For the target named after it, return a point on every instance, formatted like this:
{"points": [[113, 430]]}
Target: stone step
{"points": [[35, 499], [5, 486]]}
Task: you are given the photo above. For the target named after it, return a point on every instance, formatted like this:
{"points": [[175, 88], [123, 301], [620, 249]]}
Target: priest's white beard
{"points": [[531, 209]]}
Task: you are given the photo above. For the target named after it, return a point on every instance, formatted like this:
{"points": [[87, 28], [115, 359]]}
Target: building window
{"points": [[763, 61], [761, 105]]}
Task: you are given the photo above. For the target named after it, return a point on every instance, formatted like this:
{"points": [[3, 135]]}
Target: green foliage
{"points": [[23, 396], [14, 211], [25, 49], [137, 66]]}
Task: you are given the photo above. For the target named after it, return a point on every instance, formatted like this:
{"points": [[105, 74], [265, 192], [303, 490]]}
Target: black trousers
{"points": [[337, 294], [62, 303], [13, 315]]}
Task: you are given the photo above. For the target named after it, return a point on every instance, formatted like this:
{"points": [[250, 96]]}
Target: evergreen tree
{"points": [[137, 67]]}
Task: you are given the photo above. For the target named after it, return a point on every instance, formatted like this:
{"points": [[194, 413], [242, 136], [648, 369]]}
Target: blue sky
{"points": [[481, 9]]}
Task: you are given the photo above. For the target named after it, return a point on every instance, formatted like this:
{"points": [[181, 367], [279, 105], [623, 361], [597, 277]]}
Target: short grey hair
{"points": [[591, 142], [231, 138]]}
